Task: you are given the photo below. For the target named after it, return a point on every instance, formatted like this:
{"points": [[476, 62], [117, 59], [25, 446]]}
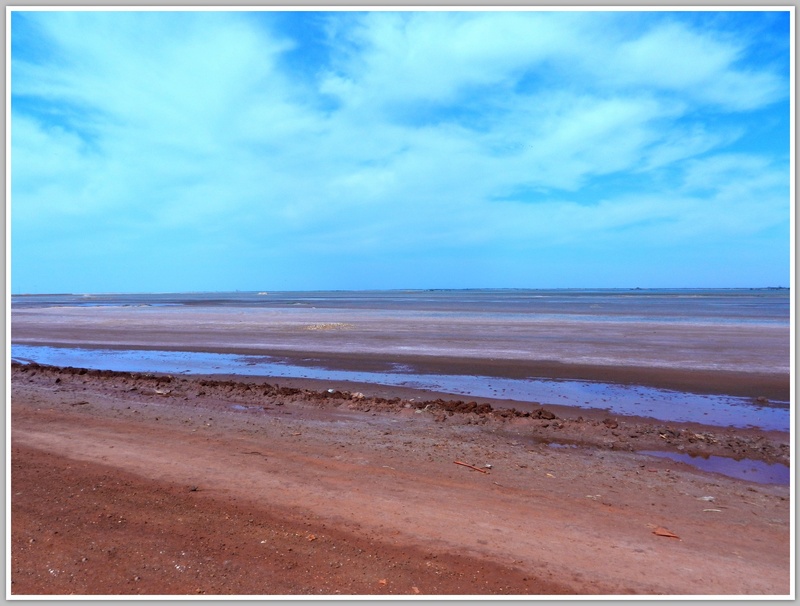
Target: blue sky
{"points": [[189, 151]]}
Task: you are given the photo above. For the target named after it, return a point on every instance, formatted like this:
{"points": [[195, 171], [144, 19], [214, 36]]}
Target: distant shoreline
{"points": [[399, 290]]}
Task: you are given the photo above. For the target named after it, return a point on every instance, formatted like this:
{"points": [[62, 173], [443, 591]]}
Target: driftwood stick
{"points": [[471, 466]]}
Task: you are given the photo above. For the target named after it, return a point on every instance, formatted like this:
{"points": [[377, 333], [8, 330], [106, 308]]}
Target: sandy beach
{"points": [[155, 485], [236, 482]]}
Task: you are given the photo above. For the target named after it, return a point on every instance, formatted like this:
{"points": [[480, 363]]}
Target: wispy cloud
{"points": [[258, 150]]}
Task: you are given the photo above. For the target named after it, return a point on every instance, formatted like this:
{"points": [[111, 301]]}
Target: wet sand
{"points": [[749, 361]]}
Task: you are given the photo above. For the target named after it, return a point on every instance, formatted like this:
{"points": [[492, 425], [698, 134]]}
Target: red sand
{"points": [[125, 484]]}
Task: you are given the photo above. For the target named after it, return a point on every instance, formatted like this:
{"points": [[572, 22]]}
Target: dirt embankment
{"points": [[569, 427]]}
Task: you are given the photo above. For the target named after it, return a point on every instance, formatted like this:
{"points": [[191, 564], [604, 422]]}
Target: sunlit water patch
{"points": [[660, 404], [743, 469]]}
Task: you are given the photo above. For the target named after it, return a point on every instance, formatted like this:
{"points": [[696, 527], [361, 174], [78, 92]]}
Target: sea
{"points": [[751, 305]]}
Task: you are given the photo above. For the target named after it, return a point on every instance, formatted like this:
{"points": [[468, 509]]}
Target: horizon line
{"points": [[401, 289]]}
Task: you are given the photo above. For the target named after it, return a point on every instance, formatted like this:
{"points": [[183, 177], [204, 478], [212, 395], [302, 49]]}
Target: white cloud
{"points": [[718, 170], [602, 107], [412, 57], [700, 67], [45, 157], [682, 143]]}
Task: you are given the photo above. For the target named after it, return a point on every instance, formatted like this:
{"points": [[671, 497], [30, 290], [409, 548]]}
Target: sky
{"points": [[171, 151]]}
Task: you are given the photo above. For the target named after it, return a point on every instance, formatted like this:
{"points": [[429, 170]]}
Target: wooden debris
{"points": [[663, 532], [471, 466]]}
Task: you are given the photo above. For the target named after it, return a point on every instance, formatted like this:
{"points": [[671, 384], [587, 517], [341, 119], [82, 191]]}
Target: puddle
{"points": [[744, 469], [662, 404], [558, 445]]}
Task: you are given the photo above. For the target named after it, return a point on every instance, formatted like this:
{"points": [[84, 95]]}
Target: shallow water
{"points": [[662, 404], [743, 469]]}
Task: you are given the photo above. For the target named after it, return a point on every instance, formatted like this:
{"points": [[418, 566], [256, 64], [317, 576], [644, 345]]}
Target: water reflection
{"points": [[743, 469], [667, 405]]}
